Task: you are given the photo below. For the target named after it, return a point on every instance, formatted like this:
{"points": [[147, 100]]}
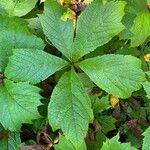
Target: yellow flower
{"points": [[147, 57], [114, 100]]}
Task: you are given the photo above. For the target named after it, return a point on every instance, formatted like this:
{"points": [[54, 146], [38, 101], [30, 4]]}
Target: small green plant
{"points": [[86, 58]]}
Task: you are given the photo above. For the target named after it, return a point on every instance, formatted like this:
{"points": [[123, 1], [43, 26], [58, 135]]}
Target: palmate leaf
{"points": [[18, 104], [97, 25], [70, 108], [147, 88], [146, 140], [91, 32], [59, 32], [15, 34], [32, 65], [116, 74], [114, 144], [16, 7]]}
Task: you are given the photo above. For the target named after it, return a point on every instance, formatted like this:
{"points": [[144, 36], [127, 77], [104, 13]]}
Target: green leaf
{"points": [[59, 32], [89, 35], [147, 88], [116, 74], [32, 65], [126, 50], [133, 8], [141, 23], [97, 25], [70, 108], [15, 34], [97, 143], [148, 73], [101, 104], [35, 25], [12, 143], [16, 7], [18, 104], [107, 123], [65, 144], [114, 144], [88, 84], [146, 140], [127, 22]]}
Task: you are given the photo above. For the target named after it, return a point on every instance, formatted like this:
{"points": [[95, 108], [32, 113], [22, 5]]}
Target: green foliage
{"points": [[66, 144], [141, 22], [11, 143], [121, 73], [135, 20], [107, 123], [147, 88], [16, 7], [114, 144], [146, 140], [18, 102], [15, 34], [59, 32], [29, 70], [70, 68], [97, 30], [100, 105], [70, 108], [148, 73]]}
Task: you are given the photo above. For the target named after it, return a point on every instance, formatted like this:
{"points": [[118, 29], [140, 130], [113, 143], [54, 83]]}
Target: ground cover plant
{"points": [[74, 75]]}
